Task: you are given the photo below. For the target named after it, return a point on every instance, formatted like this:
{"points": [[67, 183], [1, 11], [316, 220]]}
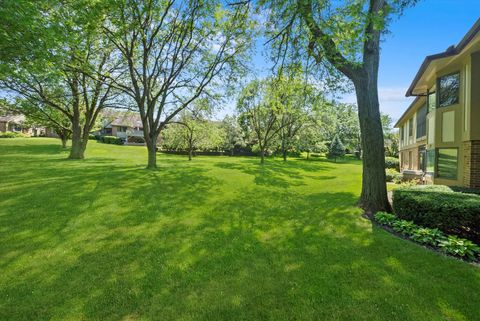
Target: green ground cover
{"points": [[218, 238]]}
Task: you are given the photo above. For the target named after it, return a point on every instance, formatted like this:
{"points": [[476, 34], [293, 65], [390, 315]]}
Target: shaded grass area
{"points": [[217, 238]]}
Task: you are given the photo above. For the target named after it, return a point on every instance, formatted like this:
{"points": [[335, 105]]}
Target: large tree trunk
{"points": [[151, 143], [262, 156], [77, 151], [374, 189], [190, 152]]}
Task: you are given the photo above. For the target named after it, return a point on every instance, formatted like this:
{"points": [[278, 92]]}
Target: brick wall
{"points": [[471, 177]]}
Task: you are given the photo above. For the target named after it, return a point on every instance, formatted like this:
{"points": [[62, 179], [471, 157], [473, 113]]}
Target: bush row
{"points": [[449, 244], [438, 206], [111, 140], [11, 135]]}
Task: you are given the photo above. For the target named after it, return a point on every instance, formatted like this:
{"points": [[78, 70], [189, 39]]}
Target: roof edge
{"points": [[417, 98], [451, 51]]}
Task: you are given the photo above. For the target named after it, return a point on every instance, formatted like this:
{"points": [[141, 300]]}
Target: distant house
{"points": [[15, 123], [125, 125], [440, 131]]}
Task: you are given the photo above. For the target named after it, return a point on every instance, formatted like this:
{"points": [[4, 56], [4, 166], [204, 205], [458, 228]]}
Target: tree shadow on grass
{"points": [[256, 256], [116, 242], [275, 174]]}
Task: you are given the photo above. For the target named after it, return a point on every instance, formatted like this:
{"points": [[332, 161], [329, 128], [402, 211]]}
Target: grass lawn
{"points": [[217, 238]]}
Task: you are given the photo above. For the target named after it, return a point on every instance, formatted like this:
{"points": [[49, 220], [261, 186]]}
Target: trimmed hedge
{"points": [[438, 206], [12, 135], [392, 162], [111, 140]]}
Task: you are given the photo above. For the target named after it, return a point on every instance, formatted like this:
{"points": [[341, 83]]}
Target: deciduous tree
{"points": [[342, 37]]}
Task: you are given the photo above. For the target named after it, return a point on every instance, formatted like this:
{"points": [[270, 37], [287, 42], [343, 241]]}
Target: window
{"points": [[410, 158], [422, 121], [422, 158], [431, 101], [431, 161], [448, 90], [121, 129], [447, 163], [410, 127], [402, 136]]}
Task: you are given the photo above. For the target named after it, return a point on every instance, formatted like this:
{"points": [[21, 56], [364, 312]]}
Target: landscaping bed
{"points": [[432, 238]]}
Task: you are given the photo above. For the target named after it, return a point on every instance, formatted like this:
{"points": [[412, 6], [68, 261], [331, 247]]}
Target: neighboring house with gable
{"points": [[440, 131], [125, 125]]}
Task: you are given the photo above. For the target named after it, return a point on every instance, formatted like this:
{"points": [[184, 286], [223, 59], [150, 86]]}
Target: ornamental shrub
{"points": [[111, 140], [392, 162], [437, 206]]}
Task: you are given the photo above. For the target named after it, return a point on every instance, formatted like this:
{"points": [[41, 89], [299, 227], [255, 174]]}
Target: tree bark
{"points": [[374, 191], [262, 156], [77, 151], [308, 155], [151, 143], [190, 153]]}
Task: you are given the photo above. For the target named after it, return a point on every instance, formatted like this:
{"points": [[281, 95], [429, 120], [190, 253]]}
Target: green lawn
{"points": [[217, 238]]}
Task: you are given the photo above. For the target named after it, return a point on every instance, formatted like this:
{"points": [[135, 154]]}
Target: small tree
{"points": [[310, 140], [336, 148]]}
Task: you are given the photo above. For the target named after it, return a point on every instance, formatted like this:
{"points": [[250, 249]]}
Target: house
{"points": [[440, 131], [14, 123], [125, 125]]}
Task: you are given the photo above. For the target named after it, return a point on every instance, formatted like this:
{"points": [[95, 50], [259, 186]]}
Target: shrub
{"points": [[393, 175], [450, 244], [404, 227], [460, 247], [385, 218], [92, 137], [12, 135], [111, 140], [427, 235], [439, 207], [392, 162]]}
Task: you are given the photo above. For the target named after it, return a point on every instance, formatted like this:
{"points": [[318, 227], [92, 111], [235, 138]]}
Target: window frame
{"points": [[437, 157], [424, 122], [430, 93], [439, 89]]}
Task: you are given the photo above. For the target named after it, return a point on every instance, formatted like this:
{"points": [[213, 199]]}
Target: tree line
{"points": [[274, 116], [72, 59]]}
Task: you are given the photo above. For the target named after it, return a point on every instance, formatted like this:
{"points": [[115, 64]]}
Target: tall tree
{"points": [[260, 108], [174, 53], [59, 76], [343, 37]]}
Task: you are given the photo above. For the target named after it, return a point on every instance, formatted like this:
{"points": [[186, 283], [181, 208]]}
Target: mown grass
{"points": [[217, 238]]}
